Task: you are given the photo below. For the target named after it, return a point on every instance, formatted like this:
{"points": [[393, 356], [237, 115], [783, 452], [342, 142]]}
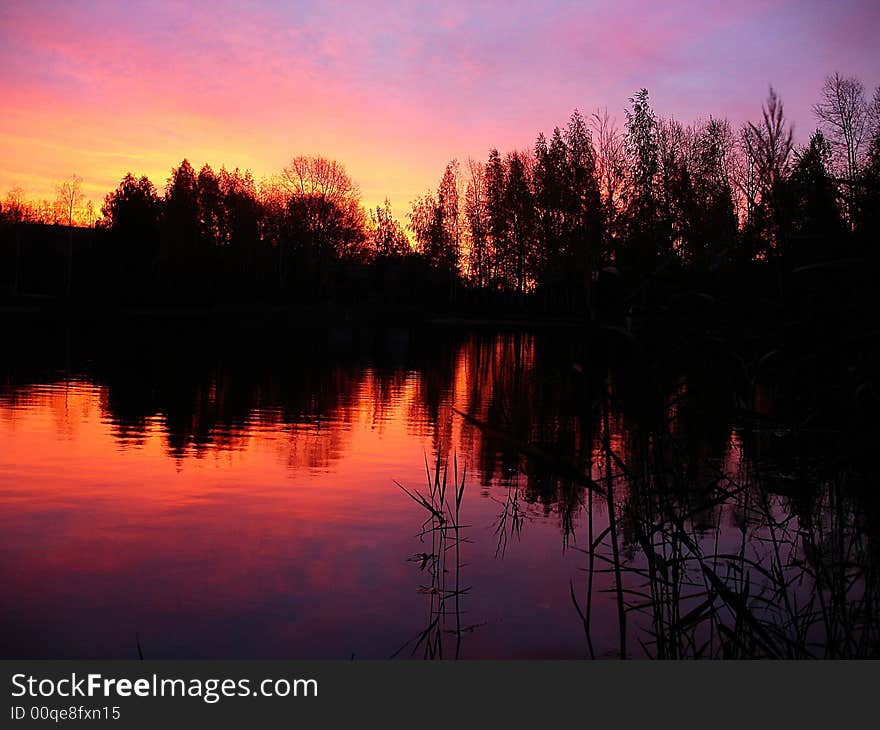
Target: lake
{"points": [[180, 490]]}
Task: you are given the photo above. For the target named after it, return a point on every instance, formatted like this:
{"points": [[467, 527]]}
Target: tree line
{"points": [[69, 206], [652, 196], [659, 195]]}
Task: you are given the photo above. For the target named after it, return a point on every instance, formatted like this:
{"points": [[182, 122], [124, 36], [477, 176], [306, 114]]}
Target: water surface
{"points": [[203, 495]]}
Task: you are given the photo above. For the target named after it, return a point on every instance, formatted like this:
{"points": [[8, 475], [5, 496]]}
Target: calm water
{"points": [[211, 495]]}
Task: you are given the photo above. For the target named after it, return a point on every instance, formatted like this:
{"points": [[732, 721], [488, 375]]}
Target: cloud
{"points": [[392, 89]]}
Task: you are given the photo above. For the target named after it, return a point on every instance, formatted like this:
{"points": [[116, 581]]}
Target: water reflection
{"points": [[234, 496]]}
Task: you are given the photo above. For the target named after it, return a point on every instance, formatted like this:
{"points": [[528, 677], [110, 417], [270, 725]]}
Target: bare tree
{"points": [[67, 201], [610, 164], [327, 203], [69, 198], [308, 176], [745, 179], [477, 215], [449, 197], [715, 148], [843, 113], [15, 208], [675, 143], [90, 214]]}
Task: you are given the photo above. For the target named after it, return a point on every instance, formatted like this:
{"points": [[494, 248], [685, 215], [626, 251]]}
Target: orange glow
{"points": [[300, 525], [394, 92]]}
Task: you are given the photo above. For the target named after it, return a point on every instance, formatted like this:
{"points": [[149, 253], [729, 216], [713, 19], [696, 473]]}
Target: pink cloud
{"points": [[393, 90]]}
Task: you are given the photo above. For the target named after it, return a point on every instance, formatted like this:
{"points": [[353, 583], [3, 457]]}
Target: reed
{"points": [[441, 560]]}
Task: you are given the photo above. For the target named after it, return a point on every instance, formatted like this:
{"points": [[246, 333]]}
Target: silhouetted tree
{"points": [[866, 200], [325, 230], [388, 236], [714, 215], [211, 214], [815, 224], [426, 223], [132, 213], [611, 171], [181, 260], [585, 207], [496, 212], [477, 215], [324, 211], [843, 113], [551, 208], [677, 197], [436, 224], [517, 258], [448, 201], [844, 116], [90, 217], [241, 212], [272, 198], [69, 198], [645, 238], [243, 251], [663, 201], [15, 208], [769, 146]]}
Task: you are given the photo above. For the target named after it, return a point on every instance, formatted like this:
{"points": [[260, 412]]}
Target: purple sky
{"points": [[393, 90]]}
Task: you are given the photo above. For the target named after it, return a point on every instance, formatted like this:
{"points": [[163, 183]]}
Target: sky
{"points": [[393, 90]]}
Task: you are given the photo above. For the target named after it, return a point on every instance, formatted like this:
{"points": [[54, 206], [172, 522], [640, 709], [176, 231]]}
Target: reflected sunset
{"points": [[439, 330], [255, 522], [285, 523]]}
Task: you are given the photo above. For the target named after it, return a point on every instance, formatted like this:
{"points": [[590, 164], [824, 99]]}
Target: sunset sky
{"points": [[393, 90]]}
